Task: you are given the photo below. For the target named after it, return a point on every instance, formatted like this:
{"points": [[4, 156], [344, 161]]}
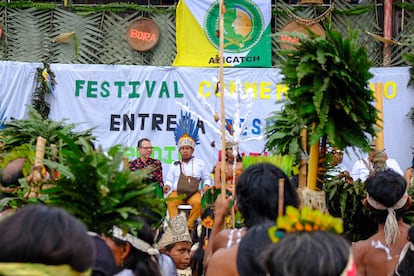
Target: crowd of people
{"points": [[40, 239]]}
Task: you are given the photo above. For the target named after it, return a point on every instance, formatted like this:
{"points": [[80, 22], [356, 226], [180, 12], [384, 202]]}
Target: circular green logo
{"points": [[243, 25]]}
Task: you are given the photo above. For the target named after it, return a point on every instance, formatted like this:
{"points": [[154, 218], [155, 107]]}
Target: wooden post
{"points": [[313, 165], [280, 209], [40, 151], [125, 163], [303, 159], [387, 31], [380, 123], [223, 114]]}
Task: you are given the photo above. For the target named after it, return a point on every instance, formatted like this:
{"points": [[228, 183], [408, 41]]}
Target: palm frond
{"points": [[94, 188]]}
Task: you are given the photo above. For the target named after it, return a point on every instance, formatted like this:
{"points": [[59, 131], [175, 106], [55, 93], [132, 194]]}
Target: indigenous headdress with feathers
{"points": [[186, 132], [304, 220]]}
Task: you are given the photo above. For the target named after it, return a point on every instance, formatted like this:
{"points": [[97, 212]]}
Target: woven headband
{"points": [[136, 242], [391, 224]]}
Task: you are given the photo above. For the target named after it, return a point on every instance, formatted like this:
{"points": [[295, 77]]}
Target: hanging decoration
{"points": [[142, 34], [45, 83], [286, 41], [307, 21], [66, 38], [383, 39]]}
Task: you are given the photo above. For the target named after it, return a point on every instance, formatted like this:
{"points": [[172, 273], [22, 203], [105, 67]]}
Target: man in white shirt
{"points": [[365, 167], [187, 169]]}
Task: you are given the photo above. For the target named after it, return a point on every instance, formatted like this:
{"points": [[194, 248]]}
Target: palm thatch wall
{"points": [[28, 30]]}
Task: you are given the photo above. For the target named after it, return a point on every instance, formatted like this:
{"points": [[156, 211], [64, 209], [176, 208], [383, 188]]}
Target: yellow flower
{"points": [[207, 222], [308, 227], [299, 227]]}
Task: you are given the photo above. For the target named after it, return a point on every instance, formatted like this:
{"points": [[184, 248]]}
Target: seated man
{"points": [[365, 167], [187, 176]]}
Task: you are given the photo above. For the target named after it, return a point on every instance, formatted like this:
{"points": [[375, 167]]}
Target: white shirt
{"points": [[335, 171], [195, 167], [125, 272], [361, 171]]}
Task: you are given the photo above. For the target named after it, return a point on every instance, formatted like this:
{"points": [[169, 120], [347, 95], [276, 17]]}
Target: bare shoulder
{"points": [[360, 247], [223, 262], [220, 241]]}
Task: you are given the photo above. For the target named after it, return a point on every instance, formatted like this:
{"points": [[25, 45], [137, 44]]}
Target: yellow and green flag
{"points": [[247, 33]]}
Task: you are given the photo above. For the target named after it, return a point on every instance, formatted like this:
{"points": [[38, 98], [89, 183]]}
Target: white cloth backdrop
{"points": [[125, 103]]}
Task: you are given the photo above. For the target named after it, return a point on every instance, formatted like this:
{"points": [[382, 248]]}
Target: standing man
{"points": [[144, 161], [188, 176]]}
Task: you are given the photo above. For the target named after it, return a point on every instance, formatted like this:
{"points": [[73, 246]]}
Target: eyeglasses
{"points": [[147, 148]]}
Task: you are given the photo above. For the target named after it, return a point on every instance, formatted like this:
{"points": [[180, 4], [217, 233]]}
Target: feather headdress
{"points": [[186, 132]]}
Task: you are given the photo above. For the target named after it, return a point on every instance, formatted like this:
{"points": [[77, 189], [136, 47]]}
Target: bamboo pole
{"points": [[313, 165], [280, 210], [223, 114], [40, 151], [36, 178], [125, 163], [303, 159], [379, 141]]}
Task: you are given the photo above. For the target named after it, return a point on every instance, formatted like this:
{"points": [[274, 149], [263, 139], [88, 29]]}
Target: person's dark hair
{"points": [[307, 253], [13, 172], [405, 265], [257, 193], [141, 263], [104, 262], [46, 235], [249, 260], [139, 144], [196, 261], [169, 247], [387, 188], [238, 158]]}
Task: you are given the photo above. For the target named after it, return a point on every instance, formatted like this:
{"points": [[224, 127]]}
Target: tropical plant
{"points": [[409, 214], [328, 81], [285, 163], [93, 187], [345, 200], [25, 131], [409, 58]]}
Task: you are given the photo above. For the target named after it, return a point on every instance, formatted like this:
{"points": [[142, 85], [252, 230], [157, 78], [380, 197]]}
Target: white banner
{"points": [[125, 103]]}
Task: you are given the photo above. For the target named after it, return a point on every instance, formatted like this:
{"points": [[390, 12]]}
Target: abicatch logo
{"points": [[243, 25]]}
